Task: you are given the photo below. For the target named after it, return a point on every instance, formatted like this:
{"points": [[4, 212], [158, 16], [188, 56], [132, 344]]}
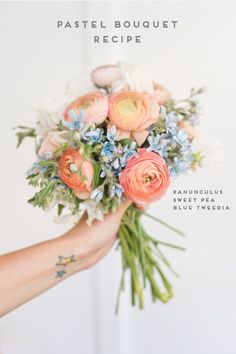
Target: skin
{"points": [[28, 272]]}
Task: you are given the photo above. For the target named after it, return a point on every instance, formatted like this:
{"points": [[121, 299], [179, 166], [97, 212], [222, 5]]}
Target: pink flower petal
{"points": [[122, 134], [140, 137]]}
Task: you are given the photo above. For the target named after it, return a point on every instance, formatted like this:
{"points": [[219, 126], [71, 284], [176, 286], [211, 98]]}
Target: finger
{"points": [[142, 206], [122, 209]]}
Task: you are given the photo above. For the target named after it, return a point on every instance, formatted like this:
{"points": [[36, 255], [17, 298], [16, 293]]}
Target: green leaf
{"points": [[160, 221], [60, 208], [88, 149], [59, 150], [42, 197], [125, 142], [23, 133], [96, 176]]}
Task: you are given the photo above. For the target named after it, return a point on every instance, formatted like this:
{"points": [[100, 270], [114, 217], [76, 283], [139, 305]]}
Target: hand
{"points": [[97, 240]]}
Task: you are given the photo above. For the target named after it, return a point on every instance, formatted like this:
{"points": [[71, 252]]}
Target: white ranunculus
{"points": [[49, 114], [133, 78], [211, 149], [80, 86]]}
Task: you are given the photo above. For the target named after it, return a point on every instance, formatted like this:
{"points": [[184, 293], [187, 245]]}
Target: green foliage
{"points": [[197, 158], [125, 142], [42, 198], [60, 150], [160, 126], [185, 108], [96, 176], [34, 180], [23, 133], [60, 208]]}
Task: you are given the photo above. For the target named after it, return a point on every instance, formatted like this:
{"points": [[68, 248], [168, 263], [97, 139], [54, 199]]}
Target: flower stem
{"points": [[142, 257]]}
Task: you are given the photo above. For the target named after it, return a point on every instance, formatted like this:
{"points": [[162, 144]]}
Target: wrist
{"points": [[75, 248]]}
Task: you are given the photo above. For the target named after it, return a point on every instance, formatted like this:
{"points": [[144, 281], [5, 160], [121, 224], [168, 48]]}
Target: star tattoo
{"points": [[60, 273]]}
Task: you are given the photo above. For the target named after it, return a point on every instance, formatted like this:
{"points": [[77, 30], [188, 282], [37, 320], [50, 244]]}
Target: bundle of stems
{"points": [[142, 256]]}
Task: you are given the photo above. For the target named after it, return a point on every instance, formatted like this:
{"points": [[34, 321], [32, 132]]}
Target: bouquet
{"points": [[117, 135]]}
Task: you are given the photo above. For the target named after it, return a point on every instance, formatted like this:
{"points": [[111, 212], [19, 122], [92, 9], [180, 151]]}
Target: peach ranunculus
{"points": [[94, 106], [132, 113], [160, 94], [105, 76], [76, 173], [52, 142], [145, 177]]}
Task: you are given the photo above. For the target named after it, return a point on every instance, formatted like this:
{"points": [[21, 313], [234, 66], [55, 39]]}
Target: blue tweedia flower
{"points": [[181, 166], [182, 139], [94, 136], [97, 194], [77, 120], [108, 151], [46, 156], [171, 123], [111, 133], [159, 144], [116, 190], [37, 168], [128, 151]]}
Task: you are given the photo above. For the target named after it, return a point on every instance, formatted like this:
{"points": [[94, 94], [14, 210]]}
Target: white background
{"points": [[77, 316]]}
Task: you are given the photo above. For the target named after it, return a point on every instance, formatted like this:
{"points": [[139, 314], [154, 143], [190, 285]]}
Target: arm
{"points": [[28, 272]]}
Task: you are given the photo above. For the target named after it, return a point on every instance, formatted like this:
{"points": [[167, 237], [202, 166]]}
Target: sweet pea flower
{"points": [[145, 177], [132, 113], [94, 106], [79, 86], [52, 142], [133, 78], [76, 173], [160, 94], [49, 114], [105, 76]]}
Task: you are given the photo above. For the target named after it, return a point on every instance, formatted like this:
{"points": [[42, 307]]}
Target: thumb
{"points": [[123, 207]]}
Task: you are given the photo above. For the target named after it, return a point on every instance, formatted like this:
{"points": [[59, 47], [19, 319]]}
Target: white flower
{"points": [[49, 114], [133, 78], [68, 218], [93, 210], [211, 149], [80, 86]]}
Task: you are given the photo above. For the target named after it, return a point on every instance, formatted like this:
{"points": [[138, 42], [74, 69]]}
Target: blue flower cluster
{"points": [[173, 145], [114, 155], [37, 167]]}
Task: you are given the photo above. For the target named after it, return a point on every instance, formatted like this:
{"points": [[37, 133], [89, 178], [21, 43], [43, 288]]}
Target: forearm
{"points": [[26, 273]]}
